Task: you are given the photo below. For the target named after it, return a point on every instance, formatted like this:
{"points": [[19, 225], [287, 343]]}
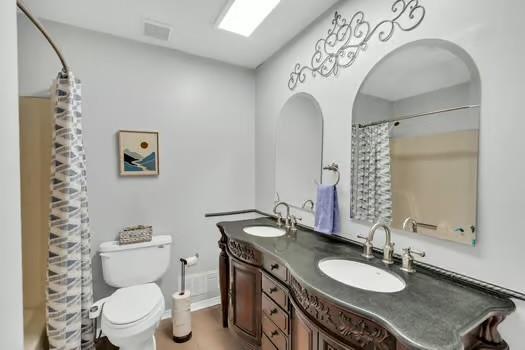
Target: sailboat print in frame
{"points": [[139, 153]]}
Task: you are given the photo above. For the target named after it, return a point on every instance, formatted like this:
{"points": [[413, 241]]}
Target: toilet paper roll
{"points": [[192, 260], [181, 314]]}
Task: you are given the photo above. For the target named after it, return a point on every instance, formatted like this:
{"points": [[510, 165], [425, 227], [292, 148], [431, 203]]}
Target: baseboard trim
{"points": [[166, 314], [196, 306], [204, 304]]}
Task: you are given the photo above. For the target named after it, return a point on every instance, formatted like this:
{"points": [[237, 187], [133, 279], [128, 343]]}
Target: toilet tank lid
{"points": [[114, 246]]}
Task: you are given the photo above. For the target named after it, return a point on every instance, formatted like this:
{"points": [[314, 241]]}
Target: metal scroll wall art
{"points": [[346, 39]]}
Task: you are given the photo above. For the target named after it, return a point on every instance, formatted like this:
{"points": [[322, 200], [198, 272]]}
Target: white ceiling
{"points": [[193, 21], [415, 70]]}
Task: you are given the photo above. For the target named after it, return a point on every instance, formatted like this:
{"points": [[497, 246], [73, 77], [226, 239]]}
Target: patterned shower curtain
{"points": [[371, 183], [69, 291]]}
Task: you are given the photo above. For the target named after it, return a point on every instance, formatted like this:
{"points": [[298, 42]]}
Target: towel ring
{"points": [[335, 168]]}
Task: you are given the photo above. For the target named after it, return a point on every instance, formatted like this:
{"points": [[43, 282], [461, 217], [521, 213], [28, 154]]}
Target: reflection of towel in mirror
{"points": [[327, 218]]}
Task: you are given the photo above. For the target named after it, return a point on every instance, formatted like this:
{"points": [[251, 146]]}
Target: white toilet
{"points": [[133, 312]]}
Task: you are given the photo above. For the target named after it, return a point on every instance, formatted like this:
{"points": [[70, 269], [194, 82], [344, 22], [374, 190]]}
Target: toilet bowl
{"points": [[131, 315]]}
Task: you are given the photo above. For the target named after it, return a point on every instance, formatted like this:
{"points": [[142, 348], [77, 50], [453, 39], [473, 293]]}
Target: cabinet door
{"points": [[327, 343], [303, 334], [245, 282]]}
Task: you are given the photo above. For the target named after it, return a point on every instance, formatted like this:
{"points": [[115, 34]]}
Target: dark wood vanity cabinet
{"points": [[261, 308], [245, 300], [271, 310], [304, 334]]}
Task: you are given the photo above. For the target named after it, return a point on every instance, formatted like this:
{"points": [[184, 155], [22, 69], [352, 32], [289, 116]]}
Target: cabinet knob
{"points": [[273, 290], [274, 266], [274, 334], [273, 312]]}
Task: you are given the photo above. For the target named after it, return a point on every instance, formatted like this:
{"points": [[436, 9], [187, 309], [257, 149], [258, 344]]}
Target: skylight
{"points": [[244, 16]]}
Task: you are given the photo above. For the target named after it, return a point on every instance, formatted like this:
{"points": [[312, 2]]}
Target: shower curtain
{"points": [[69, 291], [371, 183]]}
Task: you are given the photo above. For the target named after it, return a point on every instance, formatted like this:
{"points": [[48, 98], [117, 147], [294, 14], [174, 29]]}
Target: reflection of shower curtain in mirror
{"points": [[372, 177]]}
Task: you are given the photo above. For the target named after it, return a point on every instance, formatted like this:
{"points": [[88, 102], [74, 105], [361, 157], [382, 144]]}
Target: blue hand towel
{"points": [[327, 218]]}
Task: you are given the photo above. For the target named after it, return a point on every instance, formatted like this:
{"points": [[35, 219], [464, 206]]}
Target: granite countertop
{"points": [[431, 313]]}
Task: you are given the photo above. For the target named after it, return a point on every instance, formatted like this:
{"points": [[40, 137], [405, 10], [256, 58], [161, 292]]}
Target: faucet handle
{"points": [[367, 247], [293, 221], [408, 259]]}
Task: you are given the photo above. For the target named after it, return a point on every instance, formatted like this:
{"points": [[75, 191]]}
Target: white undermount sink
{"points": [[362, 276], [264, 231]]}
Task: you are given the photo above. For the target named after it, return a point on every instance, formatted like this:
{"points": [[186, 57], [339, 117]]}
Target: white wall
{"points": [[454, 96], [11, 333], [204, 111], [494, 39], [368, 109]]}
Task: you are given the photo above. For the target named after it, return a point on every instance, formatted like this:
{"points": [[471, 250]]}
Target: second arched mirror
{"points": [[415, 134], [298, 152]]}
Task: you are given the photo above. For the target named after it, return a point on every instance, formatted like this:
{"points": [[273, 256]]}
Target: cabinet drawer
{"points": [[274, 334], [275, 313], [266, 344], [275, 268], [274, 290]]}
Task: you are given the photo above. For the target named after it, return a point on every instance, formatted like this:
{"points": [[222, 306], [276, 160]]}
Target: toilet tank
{"points": [[138, 263]]}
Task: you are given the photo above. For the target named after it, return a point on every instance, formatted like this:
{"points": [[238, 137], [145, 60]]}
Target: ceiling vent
{"points": [[157, 30]]}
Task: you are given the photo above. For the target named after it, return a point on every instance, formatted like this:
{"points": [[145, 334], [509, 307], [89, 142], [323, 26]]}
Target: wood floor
{"points": [[208, 334]]}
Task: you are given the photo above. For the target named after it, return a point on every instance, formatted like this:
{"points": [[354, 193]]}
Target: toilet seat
{"points": [[131, 305], [131, 315]]}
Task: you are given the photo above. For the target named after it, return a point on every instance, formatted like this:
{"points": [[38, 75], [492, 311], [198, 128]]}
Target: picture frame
{"points": [[138, 153]]}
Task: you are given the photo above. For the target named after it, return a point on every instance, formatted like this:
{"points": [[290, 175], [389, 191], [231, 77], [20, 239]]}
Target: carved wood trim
{"points": [[244, 252], [489, 329], [486, 336], [345, 325]]}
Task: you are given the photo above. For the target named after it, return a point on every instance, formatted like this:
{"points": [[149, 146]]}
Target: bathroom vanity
{"points": [[275, 296]]}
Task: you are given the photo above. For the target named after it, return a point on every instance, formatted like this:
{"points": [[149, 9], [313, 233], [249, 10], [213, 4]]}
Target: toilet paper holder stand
{"points": [[192, 260]]}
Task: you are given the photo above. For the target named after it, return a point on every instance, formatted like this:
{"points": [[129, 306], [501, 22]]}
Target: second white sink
{"points": [[363, 276], [264, 231]]}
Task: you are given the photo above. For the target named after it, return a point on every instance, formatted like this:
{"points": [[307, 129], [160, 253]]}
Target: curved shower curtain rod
{"points": [[44, 32]]}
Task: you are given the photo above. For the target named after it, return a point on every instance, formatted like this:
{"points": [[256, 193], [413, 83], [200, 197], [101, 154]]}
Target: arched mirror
{"points": [[415, 131], [299, 149]]}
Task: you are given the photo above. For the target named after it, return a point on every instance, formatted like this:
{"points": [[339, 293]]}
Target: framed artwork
{"points": [[139, 153]]}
